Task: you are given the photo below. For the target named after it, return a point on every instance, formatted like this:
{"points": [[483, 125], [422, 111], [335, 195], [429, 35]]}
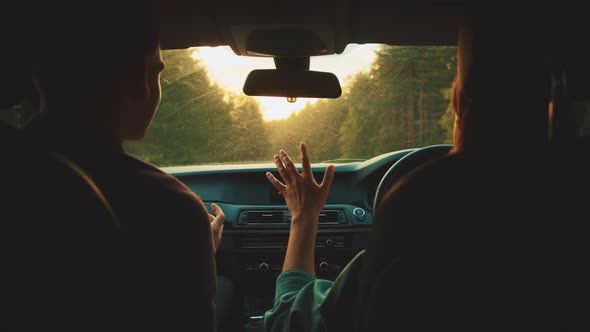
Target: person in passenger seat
{"points": [[97, 69]]}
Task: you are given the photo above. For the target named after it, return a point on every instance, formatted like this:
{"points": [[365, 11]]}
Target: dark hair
{"points": [[77, 47], [15, 83], [506, 78]]}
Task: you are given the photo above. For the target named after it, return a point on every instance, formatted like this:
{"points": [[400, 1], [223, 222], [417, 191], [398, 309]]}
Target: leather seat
{"points": [[66, 264], [469, 242], [486, 241]]}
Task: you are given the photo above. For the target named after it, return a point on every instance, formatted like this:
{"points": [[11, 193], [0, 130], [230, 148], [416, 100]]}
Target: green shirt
{"points": [[304, 303]]}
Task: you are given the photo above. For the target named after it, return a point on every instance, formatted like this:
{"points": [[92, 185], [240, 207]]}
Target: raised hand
{"points": [[304, 196], [305, 199], [217, 221]]}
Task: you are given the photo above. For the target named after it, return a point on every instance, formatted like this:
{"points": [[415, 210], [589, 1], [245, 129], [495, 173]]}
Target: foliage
{"points": [[401, 102], [198, 122]]}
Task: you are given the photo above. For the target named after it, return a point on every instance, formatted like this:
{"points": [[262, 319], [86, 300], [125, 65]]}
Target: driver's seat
{"points": [[468, 242], [494, 241]]}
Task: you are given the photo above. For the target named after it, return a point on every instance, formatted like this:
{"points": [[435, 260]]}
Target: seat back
{"points": [[66, 264], [469, 242], [495, 240]]}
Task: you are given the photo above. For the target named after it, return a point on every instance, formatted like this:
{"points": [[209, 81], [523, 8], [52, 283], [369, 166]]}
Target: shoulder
{"points": [[163, 189], [154, 176]]}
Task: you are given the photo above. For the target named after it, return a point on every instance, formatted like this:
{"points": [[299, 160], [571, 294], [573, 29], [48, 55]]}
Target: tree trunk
{"points": [[410, 111], [421, 112]]}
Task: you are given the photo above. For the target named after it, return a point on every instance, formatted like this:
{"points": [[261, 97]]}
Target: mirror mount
{"points": [[292, 63]]}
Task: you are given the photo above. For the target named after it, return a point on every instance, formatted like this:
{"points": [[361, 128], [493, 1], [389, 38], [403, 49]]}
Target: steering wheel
{"points": [[405, 164]]}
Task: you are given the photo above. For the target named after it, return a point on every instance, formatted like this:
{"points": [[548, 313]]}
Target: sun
{"points": [[229, 71]]}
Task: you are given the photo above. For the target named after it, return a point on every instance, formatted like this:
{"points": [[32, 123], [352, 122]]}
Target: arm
{"points": [[303, 303], [298, 294], [191, 281], [193, 269], [305, 199]]}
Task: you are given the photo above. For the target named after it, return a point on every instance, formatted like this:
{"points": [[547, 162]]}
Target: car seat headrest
{"points": [[15, 81]]}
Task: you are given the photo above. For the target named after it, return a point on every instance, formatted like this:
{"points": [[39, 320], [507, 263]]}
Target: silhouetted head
{"points": [[501, 92], [97, 64]]}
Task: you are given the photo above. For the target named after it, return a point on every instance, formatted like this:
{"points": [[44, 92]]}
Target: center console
{"points": [[254, 247]]}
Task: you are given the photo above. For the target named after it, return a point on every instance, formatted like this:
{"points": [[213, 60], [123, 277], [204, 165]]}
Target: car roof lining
{"points": [[205, 23]]}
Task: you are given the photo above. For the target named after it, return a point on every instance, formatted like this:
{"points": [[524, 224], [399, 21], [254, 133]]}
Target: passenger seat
{"points": [[66, 265]]}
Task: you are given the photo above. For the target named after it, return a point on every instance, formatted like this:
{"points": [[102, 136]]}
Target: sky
{"points": [[229, 71]]}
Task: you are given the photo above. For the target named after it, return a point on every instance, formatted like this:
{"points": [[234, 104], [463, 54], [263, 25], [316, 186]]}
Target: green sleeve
{"points": [[304, 303]]}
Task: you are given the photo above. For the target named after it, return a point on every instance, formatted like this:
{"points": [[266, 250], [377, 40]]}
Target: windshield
{"points": [[393, 98]]}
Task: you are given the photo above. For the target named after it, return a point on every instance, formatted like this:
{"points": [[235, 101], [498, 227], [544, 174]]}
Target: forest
{"points": [[401, 102]]}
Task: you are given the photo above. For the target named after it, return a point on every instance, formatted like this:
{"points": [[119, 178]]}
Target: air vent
{"points": [[268, 217], [329, 217]]}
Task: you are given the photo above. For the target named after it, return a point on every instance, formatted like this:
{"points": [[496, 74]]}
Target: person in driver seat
{"points": [[97, 69], [304, 303]]}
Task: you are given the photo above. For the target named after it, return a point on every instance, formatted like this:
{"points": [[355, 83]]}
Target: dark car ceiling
{"points": [[187, 23]]}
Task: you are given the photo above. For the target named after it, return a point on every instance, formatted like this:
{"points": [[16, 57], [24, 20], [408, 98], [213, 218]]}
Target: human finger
{"points": [[282, 169], [289, 165], [305, 164], [219, 219], [275, 182]]}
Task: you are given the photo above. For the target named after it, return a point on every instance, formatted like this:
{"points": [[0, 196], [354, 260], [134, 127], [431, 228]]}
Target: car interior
{"points": [[366, 84]]}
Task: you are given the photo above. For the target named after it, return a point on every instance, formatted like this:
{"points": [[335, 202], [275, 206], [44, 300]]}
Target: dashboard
{"points": [[256, 229]]}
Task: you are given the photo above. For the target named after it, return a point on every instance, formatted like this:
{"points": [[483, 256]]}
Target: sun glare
{"points": [[229, 71]]}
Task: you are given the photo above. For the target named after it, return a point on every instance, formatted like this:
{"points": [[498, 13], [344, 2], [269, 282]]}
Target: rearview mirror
{"points": [[292, 84]]}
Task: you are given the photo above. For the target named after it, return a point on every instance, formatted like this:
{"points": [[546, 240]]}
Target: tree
{"points": [[404, 84], [189, 126], [401, 102], [317, 124], [199, 122], [247, 137], [447, 121]]}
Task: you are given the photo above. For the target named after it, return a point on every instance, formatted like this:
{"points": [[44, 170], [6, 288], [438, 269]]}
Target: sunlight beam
{"points": [[229, 71]]}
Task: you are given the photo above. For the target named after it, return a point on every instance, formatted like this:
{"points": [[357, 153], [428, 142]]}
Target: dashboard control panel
{"points": [[332, 216]]}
